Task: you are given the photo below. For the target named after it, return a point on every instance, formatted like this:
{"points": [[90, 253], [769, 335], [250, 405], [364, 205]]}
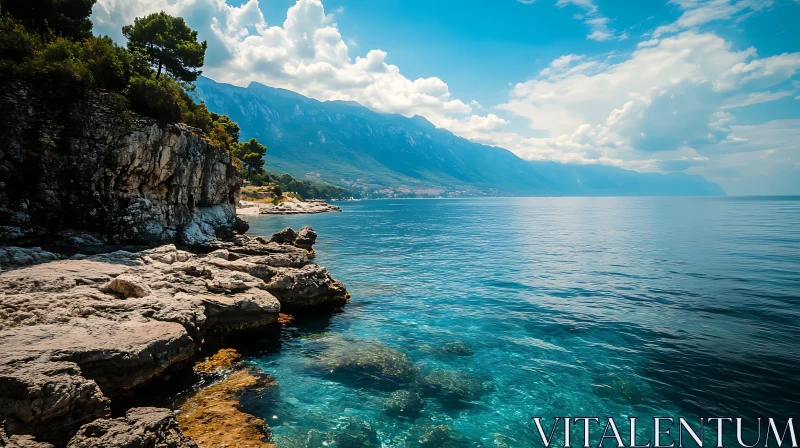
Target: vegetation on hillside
{"points": [[49, 44], [304, 189]]}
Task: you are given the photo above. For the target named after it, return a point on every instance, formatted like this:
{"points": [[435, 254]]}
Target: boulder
{"points": [[140, 428], [13, 257], [197, 235], [308, 287], [306, 237], [285, 236], [129, 286]]}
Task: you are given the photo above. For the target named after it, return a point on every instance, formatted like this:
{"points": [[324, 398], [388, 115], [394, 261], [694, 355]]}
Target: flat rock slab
{"points": [[75, 333]]}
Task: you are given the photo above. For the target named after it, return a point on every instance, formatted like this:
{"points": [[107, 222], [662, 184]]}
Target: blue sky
{"points": [[707, 87]]}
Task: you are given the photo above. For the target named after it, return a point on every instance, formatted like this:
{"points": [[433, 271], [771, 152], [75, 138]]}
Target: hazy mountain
{"points": [[345, 143]]}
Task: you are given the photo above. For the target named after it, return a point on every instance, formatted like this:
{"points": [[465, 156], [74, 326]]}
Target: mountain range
{"points": [[346, 144]]}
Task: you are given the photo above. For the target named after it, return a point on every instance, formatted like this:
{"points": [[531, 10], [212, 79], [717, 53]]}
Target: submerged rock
{"points": [[140, 428], [458, 348], [222, 360], [213, 419], [350, 433], [370, 361], [404, 403], [455, 385], [438, 436]]}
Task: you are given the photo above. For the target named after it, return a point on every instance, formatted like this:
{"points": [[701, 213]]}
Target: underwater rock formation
{"points": [[458, 348], [404, 403], [212, 417], [371, 362], [455, 385]]}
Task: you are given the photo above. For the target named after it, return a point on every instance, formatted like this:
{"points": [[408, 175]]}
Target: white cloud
{"points": [[700, 12], [306, 54], [748, 99], [647, 43], [598, 24], [637, 113]]}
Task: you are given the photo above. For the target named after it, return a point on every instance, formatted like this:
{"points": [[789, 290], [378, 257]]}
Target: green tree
{"points": [[251, 153], [65, 18], [168, 43]]}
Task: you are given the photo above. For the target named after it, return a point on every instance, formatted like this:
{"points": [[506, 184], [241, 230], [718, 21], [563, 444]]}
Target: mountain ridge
{"points": [[345, 143]]}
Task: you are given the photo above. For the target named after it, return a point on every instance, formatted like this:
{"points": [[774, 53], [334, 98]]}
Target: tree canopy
{"points": [[65, 18], [168, 43], [251, 153]]}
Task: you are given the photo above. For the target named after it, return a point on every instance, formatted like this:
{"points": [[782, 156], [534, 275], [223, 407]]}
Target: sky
{"points": [[708, 87]]}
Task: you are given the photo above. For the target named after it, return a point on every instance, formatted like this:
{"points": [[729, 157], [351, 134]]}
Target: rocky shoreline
{"points": [[77, 333], [310, 206]]}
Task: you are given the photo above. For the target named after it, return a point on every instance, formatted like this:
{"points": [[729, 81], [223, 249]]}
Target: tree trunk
{"points": [[160, 64]]}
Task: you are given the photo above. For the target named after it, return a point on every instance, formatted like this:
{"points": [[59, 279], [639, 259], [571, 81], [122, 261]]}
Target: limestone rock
{"points": [[11, 257], [129, 286], [295, 208], [197, 234], [285, 236], [140, 428], [101, 171], [308, 287], [74, 333], [23, 441], [306, 237]]}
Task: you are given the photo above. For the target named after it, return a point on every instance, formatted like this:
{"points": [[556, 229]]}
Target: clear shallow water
{"points": [[574, 307]]}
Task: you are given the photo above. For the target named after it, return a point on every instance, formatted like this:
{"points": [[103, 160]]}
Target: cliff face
{"points": [[88, 165]]}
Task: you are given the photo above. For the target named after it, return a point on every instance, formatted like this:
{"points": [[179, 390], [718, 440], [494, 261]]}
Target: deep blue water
{"points": [[574, 307]]}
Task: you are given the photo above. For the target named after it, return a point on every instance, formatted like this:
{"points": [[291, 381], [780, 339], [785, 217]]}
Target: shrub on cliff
{"points": [[16, 42], [156, 98], [55, 61], [64, 18]]}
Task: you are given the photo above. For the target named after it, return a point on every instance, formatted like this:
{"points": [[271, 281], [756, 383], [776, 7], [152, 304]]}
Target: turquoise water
{"points": [[551, 307]]}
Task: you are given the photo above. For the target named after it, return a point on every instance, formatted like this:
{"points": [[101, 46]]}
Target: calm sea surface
{"points": [[573, 307]]}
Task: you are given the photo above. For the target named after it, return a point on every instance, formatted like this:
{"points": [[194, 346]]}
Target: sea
{"points": [[511, 308]]}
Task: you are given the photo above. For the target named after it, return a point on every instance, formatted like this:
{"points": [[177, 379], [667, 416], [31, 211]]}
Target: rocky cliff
{"points": [[87, 170], [77, 333]]}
